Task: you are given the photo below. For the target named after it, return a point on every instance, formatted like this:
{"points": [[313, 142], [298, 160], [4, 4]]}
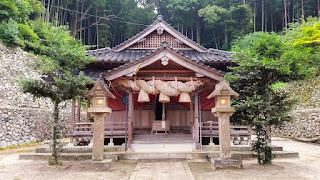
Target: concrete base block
{"points": [[225, 163], [97, 165]]}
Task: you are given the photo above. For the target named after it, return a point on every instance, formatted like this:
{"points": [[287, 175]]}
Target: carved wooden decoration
{"points": [[164, 61], [155, 39]]}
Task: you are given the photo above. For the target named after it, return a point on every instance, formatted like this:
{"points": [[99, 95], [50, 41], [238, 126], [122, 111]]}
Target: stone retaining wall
{"points": [[305, 124], [24, 118], [25, 125]]}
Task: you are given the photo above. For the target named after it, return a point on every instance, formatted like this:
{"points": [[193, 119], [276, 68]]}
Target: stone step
{"points": [[154, 155], [177, 138], [236, 148], [70, 156], [183, 147], [79, 149], [164, 155], [248, 154]]}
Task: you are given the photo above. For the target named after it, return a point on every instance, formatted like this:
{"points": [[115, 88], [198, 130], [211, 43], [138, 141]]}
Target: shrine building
{"points": [[156, 85]]}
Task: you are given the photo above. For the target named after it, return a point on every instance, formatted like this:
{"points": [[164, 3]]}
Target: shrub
{"points": [[26, 33], [9, 33]]}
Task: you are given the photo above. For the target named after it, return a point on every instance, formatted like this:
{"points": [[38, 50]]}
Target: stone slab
{"points": [[97, 165], [218, 163]]}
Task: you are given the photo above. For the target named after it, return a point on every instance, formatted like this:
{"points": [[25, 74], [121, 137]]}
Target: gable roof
{"points": [[223, 88], [160, 23], [100, 85], [164, 51]]}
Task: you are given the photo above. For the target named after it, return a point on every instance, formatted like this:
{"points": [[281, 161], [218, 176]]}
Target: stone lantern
{"points": [[223, 110], [100, 94]]}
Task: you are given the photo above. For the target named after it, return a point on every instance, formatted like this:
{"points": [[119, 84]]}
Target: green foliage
{"points": [[59, 49], [262, 148], [212, 13], [26, 33], [278, 85], [9, 33], [57, 87], [260, 66], [303, 48], [8, 9]]}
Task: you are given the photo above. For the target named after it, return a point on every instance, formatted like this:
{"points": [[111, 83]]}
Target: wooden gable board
{"points": [[129, 69], [159, 23]]}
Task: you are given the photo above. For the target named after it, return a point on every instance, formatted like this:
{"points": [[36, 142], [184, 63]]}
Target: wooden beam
{"points": [[73, 114], [79, 110], [88, 106], [166, 78], [165, 71], [130, 119]]}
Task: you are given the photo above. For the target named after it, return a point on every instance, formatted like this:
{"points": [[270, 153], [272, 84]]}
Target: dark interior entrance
{"points": [[159, 109]]}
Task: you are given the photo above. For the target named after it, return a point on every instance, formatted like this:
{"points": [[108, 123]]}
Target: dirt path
{"points": [[305, 167]]}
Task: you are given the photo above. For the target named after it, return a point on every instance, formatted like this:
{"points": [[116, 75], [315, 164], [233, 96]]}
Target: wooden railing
{"points": [[211, 129], [85, 130]]}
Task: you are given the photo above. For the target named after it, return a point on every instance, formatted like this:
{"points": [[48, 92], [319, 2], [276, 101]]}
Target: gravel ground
{"points": [[305, 167]]}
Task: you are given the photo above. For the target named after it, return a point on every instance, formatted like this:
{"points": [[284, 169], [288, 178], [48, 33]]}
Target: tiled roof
{"points": [[129, 55]]}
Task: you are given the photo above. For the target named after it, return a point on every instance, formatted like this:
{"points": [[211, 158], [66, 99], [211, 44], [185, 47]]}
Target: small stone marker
{"points": [[218, 163], [97, 165]]}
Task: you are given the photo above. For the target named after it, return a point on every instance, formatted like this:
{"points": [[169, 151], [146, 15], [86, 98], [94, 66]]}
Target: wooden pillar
{"points": [[73, 114], [130, 119], [192, 119], [98, 137], [196, 119], [88, 114], [79, 110]]}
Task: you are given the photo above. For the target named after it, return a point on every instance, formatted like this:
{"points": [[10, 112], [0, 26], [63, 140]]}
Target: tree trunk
{"points": [[97, 29], [302, 9], [198, 30], [285, 14], [225, 34], [254, 16], [318, 8], [215, 39], [55, 135], [262, 15]]}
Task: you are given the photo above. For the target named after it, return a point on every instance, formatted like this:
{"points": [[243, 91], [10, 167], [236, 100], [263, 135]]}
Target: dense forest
{"points": [[212, 23]]}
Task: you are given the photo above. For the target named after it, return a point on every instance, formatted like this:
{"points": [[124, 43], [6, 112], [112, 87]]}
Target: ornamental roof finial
{"points": [[159, 18]]}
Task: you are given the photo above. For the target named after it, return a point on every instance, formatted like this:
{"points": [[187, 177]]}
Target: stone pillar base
{"points": [[97, 165], [218, 163]]}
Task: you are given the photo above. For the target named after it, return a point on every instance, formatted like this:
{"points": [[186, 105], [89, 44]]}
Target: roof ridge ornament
{"points": [[159, 18], [165, 44]]}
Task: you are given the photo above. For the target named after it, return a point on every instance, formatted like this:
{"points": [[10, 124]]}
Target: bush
{"points": [[9, 33], [26, 33], [8, 9]]}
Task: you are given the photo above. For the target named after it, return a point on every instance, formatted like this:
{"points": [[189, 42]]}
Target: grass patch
{"points": [[278, 84], [19, 146]]}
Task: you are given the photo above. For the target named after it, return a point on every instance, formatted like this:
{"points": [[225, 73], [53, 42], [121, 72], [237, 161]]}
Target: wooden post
{"points": [[73, 114], [196, 119], [78, 110], [192, 119], [130, 119], [88, 114]]}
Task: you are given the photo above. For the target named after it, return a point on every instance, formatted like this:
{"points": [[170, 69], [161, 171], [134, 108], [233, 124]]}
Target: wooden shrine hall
{"points": [[157, 85]]}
